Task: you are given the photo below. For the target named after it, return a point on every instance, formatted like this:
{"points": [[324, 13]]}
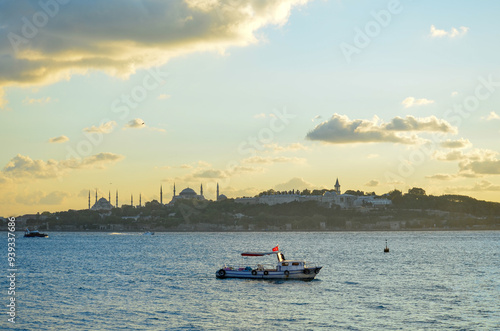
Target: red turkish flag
{"points": [[275, 249]]}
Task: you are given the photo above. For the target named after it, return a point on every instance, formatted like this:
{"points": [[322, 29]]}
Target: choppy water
{"points": [[102, 281]]}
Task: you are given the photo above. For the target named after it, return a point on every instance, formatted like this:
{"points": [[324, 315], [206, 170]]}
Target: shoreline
{"points": [[269, 231]]}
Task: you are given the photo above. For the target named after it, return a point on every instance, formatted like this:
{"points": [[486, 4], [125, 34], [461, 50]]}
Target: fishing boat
{"points": [[34, 233], [284, 269]]}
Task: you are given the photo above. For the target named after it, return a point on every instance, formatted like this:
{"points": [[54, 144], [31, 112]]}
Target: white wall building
{"points": [[330, 198]]}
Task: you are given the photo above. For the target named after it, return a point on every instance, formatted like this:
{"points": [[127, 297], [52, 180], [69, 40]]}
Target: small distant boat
{"points": [[386, 249], [34, 233], [285, 269], [148, 233]]}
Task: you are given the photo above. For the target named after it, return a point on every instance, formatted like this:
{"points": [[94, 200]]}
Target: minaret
{"points": [[174, 189], [131, 200], [161, 195], [337, 186], [109, 197], [89, 199], [95, 195], [116, 198], [217, 191], [201, 189], [140, 200]]}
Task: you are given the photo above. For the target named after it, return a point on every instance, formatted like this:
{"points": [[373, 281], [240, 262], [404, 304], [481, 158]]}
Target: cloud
{"points": [[98, 160], [59, 139], [203, 164], [469, 156], [23, 167], [295, 183], [275, 159], [30, 101], [53, 198], [460, 143], [205, 170], [492, 116], [291, 147], [210, 173], [29, 199], [449, 156], [427, 124], [453, 33], [136, 123], [120, 37], [230, 191], [412, 102], [482, 186], [441, 176], [340, 130], [103, 128], [484, 167], [474, 163], [372, 183], [41, 198]]}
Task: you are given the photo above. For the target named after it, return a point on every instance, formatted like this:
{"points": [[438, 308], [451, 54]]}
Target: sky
{"points": [[129, 96]]}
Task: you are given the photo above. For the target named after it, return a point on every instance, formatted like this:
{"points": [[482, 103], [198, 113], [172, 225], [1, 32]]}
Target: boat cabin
{"points": [[290, 265]]}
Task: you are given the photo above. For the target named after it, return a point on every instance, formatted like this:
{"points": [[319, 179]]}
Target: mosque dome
{"points": [[188, 192], [102, 204], [222, 197]]}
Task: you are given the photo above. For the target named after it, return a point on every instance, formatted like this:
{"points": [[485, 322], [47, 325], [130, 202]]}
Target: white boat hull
{"points": [[303, 274]]}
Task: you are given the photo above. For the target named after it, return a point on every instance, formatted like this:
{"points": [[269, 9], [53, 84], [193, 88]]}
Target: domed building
{"points": [[188, 193], [102, 204], [220, 197]]}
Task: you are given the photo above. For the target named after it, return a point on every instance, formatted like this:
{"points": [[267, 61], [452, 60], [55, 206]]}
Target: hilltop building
{"points": [[330, 198], [220, 197], [102, 204], [188, 193]]}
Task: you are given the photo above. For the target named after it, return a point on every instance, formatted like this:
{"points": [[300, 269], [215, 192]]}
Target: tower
{"points": [[217, 191], [109, 197], [140, 200], [89, 199], [116, 198], [174, 189], [95, 195], [201, 189], [337, 186], [161, 195], [131, 200]]}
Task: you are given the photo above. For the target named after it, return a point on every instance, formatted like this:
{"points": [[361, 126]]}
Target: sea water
{"points": [[129, 281]]}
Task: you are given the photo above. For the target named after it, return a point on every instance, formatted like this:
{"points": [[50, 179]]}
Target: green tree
{"points": [[395, 194], [416, 191]]}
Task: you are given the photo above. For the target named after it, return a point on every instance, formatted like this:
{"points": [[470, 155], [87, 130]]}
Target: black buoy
{"points": [[386, 249]]}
